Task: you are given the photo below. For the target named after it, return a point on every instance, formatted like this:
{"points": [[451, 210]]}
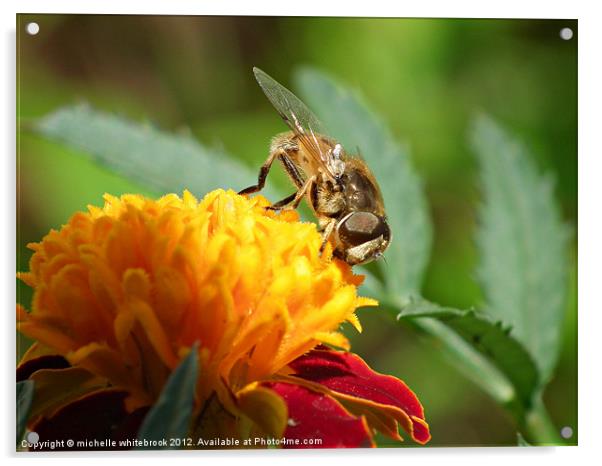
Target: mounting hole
{"points": [[566, 33], [32, 437], [32, 28], [566, 432]]}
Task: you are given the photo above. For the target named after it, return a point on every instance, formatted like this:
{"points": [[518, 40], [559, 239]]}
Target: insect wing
{"points": [[297, 116]]}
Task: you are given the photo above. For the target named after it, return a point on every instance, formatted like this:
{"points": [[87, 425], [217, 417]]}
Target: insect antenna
{"points": [[384, 260]]}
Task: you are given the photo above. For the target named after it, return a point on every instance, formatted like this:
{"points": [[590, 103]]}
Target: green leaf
{"points": [[161, 161], [170, 416], [356, 127], [522, 243], [492, 340], [521, 442], [25, 390]]}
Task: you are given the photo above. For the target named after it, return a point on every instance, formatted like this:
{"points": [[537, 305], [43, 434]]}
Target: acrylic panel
{"points": [[272, 232]]}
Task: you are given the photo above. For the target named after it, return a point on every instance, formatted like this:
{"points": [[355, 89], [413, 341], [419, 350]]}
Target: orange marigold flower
{"points": [[124, 291]]}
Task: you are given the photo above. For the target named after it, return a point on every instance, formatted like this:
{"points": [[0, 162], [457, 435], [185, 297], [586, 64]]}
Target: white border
{"points": [[425, 8], [589, 234]]}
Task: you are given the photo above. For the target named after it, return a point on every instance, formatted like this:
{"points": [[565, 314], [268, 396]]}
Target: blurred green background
{"points": [[426, 77]]}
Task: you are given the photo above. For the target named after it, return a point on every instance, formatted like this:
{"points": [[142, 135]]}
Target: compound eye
{"points": [[361, 227]]}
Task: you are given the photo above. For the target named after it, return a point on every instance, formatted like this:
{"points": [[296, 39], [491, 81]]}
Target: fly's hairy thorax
{"points": [[354, 190]]}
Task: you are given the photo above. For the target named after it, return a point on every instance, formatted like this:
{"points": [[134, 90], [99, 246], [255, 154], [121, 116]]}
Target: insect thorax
{"points": [[360, 192]]}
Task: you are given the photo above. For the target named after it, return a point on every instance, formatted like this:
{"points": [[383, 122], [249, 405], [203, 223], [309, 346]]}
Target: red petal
{"points": [[25, 370], [128, 429], [316, 417], [347, 374], [95, 422]]}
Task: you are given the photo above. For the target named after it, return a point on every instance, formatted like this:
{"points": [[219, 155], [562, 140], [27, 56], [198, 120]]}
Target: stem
{"points": [[539, 427]]}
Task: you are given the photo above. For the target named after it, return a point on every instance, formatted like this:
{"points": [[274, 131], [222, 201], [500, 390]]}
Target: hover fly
{"points": [[339, 188]]}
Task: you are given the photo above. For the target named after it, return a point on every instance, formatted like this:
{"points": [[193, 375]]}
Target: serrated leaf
{"points": [[25, 390], [356, 127], [161, 161], [491, 339], [522, 243], [171, 414]]}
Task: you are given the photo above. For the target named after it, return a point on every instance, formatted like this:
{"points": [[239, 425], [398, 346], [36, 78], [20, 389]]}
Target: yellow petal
{"points": [[102, 360], [27, 278], [333, 338], [35, 351], [155, 333], [121, 289], [264, 407], [353, 320], [136, 283], [55, 388]]}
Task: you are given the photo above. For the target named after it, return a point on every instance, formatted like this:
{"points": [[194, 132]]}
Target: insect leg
{"points": [[283, 202], [294, 202], [263, 173], [294, 175], [326, 234], [292, 171]]}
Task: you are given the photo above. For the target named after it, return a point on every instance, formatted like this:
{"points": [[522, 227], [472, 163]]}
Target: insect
{"points": [[339, 188]]}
